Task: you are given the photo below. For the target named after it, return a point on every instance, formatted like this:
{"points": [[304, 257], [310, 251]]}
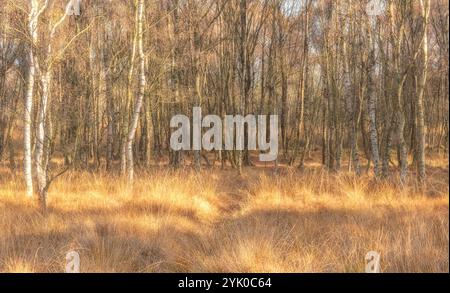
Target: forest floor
{"points": [[216, 221]]}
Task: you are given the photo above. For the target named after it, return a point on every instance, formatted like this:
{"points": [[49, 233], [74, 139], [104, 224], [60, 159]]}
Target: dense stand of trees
{"points": [[99, 88]]}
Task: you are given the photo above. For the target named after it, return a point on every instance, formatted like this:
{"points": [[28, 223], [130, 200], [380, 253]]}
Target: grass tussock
{"points": [[217, 222]]}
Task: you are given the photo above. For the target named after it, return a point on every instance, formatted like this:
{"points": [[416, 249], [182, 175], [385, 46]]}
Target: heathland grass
{"points": [[216, 221]]}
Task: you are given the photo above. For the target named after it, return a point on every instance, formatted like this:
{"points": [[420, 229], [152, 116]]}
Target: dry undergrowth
{"points": [[309, 221]]}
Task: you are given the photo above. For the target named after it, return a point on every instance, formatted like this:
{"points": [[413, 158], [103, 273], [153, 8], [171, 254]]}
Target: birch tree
{"points": [[372, 99], [420, 149], [142, 83], [42, 143], [37, 8]]}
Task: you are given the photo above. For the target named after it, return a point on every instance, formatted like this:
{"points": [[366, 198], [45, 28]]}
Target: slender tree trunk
{"points": [[126, 105], [40, 156], [420, 148], [32, 26], [27, 125], [371, 110], [351, 112], [242, 68], [139, 101]]}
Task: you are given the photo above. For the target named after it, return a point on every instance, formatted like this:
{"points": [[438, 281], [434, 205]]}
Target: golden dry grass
{"points": [[311, 221]]}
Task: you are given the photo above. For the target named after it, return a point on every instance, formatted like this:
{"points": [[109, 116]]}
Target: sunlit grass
{"points": [[215, 221]]}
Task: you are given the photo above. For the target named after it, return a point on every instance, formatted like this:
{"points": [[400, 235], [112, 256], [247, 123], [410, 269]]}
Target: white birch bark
{"points": [[33, 19], [425, 9], [371, 109], [41, 162], [372, 101], [32, 27], [125, 119], [142, 83]]}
